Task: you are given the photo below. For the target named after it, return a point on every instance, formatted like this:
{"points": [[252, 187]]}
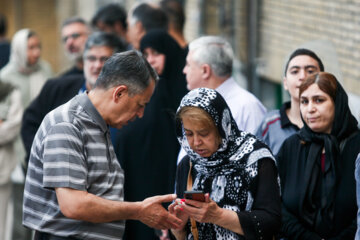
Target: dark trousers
{"points": [[19, 232]]}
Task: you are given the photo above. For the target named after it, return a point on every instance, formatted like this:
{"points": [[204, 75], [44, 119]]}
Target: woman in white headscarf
{"points": [[26, 70]]}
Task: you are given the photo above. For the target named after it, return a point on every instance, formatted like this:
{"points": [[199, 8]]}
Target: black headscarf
{"points": [[175, 58], [227, 174], [344, 126]]}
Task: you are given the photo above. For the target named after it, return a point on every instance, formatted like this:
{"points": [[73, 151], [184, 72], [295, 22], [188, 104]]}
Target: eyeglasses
{"points": [[73, 36], [92, 59]]}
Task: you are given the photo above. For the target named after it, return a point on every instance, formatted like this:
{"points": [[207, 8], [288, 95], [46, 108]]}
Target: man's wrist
{"points": [[136, 212]]}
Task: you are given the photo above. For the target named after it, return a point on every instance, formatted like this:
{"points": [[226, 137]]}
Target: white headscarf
{"points": [[18, 55], [19, 59]]}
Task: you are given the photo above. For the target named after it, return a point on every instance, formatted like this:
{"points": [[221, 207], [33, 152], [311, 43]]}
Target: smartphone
{"points": [[195, 195]]}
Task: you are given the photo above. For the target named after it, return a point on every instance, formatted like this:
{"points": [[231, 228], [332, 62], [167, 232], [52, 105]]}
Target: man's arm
{"points": [[85, 206], [10, 127]]}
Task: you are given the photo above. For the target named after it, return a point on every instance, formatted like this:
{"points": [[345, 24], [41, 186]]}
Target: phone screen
{"points": [[195, 195]]}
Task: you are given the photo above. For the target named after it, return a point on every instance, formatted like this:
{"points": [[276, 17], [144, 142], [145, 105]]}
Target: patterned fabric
{"points": [[228, 173]]}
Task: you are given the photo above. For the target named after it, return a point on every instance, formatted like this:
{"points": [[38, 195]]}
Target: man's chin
{"points": [[74, 56]]}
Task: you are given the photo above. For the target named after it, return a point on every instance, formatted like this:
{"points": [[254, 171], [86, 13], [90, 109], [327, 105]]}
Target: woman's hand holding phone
{"points": [[195, 195]]}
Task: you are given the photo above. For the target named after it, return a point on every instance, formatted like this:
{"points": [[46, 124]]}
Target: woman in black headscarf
{"points": [[159, 42], [147, 148], [316, 165], [235, 170]]}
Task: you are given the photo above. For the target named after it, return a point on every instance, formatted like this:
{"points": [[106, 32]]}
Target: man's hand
{"points": [[153, 214]]}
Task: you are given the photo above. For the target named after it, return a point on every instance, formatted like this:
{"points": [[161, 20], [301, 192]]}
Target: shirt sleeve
{"points": [[260, 130], [10, 127], [264, 219], [64, 158], [252, 119]]}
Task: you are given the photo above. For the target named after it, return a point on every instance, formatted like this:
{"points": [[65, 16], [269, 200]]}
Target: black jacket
{"points": [[292, 159], [55, 92]]}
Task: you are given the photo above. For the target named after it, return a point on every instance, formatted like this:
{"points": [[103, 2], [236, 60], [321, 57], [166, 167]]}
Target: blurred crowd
{"points": [[288, 173]]}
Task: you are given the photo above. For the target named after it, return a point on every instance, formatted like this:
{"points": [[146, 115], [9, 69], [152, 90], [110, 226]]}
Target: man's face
{"points": [[134, 33], [193, 72], [74, 37], [101, 26], [94, 60], [299, 68], [128, 108]]}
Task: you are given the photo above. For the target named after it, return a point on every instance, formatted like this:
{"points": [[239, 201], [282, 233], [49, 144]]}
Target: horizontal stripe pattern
{"points": [[72, 148]]}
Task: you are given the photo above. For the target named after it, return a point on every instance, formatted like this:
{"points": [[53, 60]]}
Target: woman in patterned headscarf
{"points": [[235, 170]]}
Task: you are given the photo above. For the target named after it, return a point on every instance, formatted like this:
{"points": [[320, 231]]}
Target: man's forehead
{"points": [[101, 50], [73, 27], [189, 56]]}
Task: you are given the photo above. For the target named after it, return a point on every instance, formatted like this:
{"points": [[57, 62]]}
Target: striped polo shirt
{"points": [[72, 149]]}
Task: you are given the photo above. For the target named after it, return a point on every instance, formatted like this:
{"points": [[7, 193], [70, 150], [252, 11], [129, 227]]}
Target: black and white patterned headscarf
{"points": [[228, 173]]}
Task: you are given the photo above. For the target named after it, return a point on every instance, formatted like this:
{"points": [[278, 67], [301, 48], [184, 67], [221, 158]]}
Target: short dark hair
{"points": [[150, 17], [72, 20], [128, 68], [307, 52], [109, 15], [175, 13], [3, 25], [104, 39]]}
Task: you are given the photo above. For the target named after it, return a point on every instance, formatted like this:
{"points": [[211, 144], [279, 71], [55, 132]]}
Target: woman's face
{"points": [[298, 69], [33, 50], [318, 109], [203, 140], [156, 59]]}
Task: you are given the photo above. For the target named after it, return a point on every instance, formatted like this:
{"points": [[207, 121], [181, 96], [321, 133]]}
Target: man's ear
{"points": [[285, 84], [118, 92], [206, 71]]}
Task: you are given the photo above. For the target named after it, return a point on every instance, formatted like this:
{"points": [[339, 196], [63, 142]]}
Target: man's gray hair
{"points": [[128, 68], [72, 20], [215, 51], [103, 39]]}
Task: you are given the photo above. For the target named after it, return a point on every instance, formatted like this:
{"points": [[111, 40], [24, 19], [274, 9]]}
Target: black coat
{"points": [[292, 169], [54, 93], [147, 148]]}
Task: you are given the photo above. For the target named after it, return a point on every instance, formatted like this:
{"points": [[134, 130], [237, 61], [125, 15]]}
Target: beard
{"points": [[76, 56]]}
